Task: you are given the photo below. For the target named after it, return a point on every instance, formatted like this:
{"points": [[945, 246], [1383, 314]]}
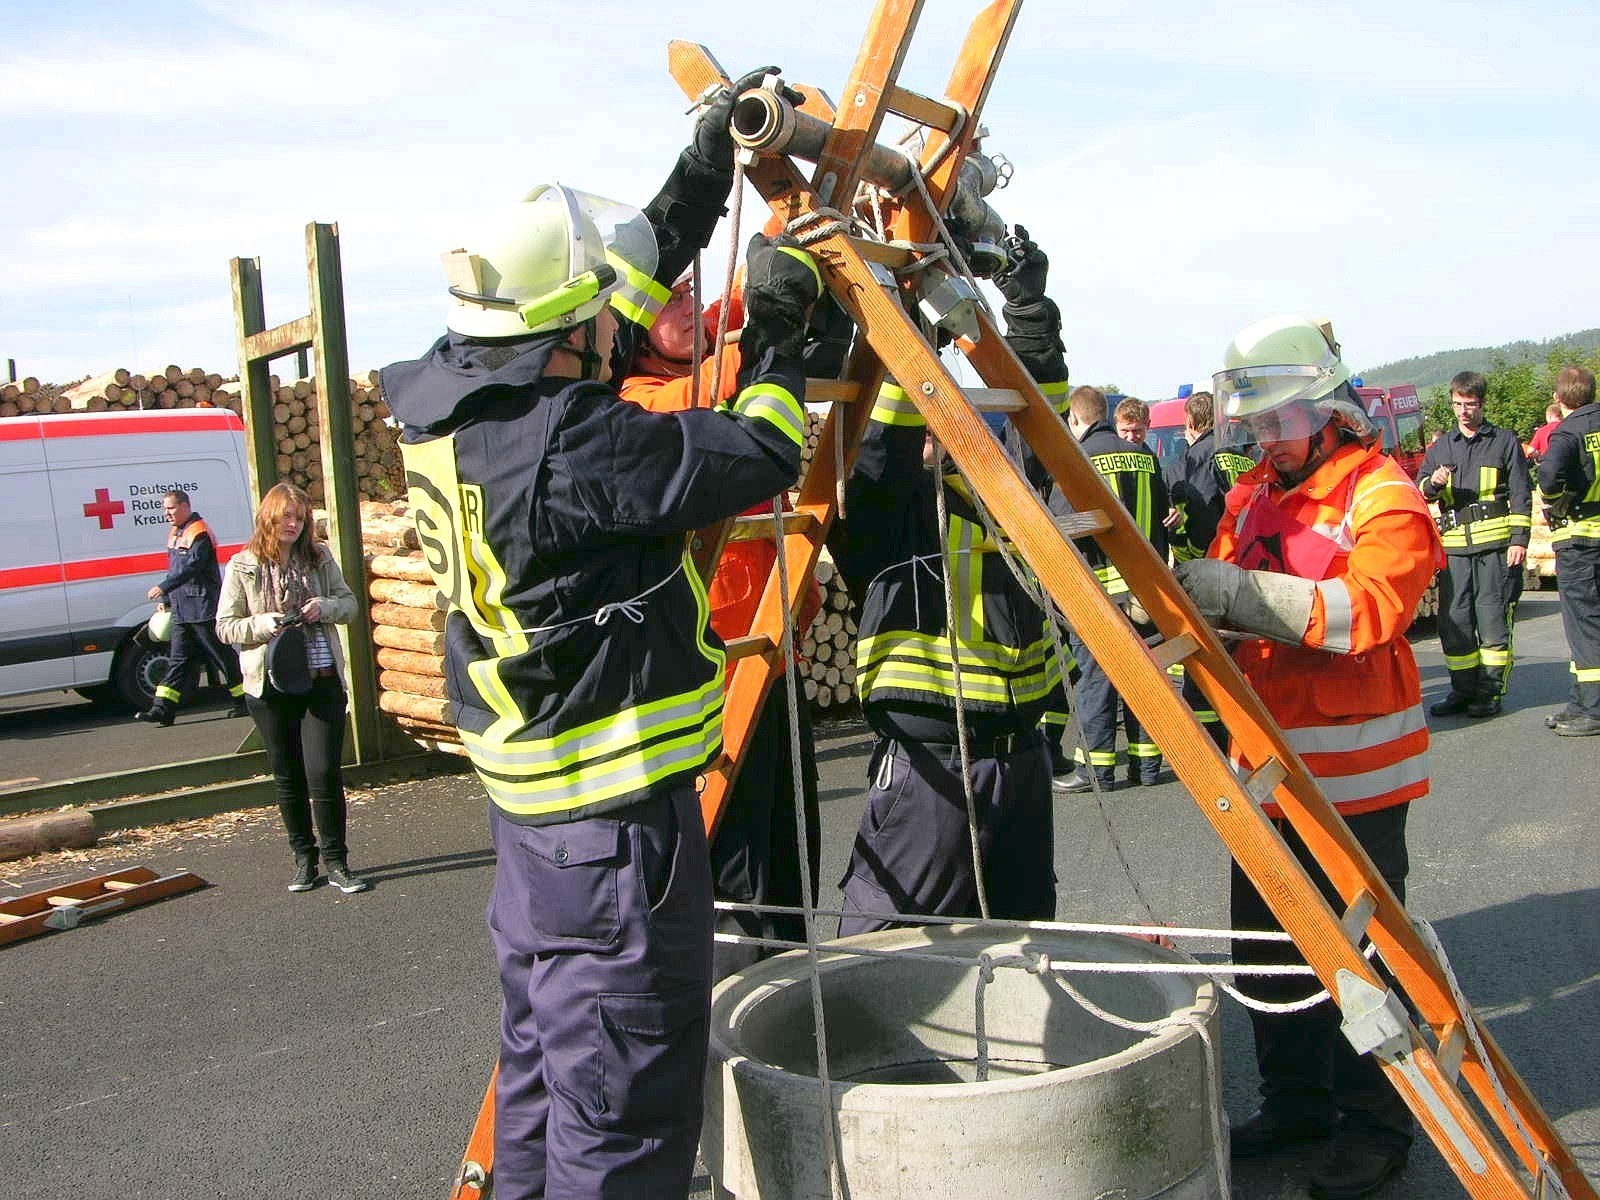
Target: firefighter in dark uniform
{"points": [[913, 852], [1479, 477], [1198, 483], [1569, 485], [190, 590], [1134, 474], [580, 666]]}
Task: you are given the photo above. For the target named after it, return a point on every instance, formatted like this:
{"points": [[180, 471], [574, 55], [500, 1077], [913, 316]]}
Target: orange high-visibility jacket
{"points": [[1349, 697], [742, 571]]}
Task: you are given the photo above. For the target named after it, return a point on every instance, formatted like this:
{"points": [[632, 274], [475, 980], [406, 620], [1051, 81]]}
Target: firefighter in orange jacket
{"points": [[1322, 553], [755, 856]]}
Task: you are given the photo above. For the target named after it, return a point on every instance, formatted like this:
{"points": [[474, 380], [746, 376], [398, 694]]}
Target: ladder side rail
{"points": [[1249, 836], [970, 81], [255, 379], [862, 105]]}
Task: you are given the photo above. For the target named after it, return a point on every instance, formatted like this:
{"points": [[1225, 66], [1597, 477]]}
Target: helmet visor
{"points": [[1266, 404]]}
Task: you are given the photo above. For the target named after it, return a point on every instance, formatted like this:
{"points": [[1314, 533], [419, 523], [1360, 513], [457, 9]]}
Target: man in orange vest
{"points": [[755, 855], [1322, 552]]}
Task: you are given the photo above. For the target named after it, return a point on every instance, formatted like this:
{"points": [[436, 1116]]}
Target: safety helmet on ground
{"points": [[551, 263], [159, 627], [1283, 378]]}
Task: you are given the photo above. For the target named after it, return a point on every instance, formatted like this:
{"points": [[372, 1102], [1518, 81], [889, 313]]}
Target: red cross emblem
{"points": [[104, 507]]}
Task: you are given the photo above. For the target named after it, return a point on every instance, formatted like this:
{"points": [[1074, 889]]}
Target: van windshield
{"points": [[1168, 442]]}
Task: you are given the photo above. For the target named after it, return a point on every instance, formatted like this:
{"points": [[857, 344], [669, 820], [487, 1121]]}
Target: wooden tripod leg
{"points": [[477, 1164]]}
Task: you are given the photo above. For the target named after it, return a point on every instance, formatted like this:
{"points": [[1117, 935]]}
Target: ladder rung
{"points": [[1174, 650], [749, 646], [750, 529], [1264, 780], [832, 391], [1000, 400], [64, 901], [1082, 524], [119, 885], [896, 258], [10, 918], [1452, 1045], [1358, 915], [921, 109]]}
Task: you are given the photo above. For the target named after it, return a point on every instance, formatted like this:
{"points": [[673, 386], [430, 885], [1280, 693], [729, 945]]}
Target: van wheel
{"points": [[139, 666]]}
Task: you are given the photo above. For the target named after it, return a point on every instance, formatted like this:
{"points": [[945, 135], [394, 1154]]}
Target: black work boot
{"points": [[1484, 706], [238, 708], [1355, 1166], [1577, 725], [1452, 705], [156, 714], [1267, 1133], [305, 875], [340, 877]]}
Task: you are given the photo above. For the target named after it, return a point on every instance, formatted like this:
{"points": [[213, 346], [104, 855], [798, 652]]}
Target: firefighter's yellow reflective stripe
{"points": [[894, 407], [1144, 750], [1585, 674], [799, 255], [622, 753], [1589, 527], [920, 662], [1111, 579], [237, 691], [163, 692], [1495, 656], [1520, 521], [1207, 716], [1097, 758], [966, 579], [1462, 662], [1176, 670], [640, 298], [775, 405], [1232, 465], [1056, 394], [1488, 482], [1053, 720]]}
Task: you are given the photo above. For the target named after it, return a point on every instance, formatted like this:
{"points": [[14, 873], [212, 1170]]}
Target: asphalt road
{"points": [[60, 735], [241, 1041]]}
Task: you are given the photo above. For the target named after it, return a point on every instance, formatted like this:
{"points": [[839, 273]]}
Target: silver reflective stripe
{"points": [[628, 728], [775, 405], [1364, 735], [602, 781], [1344, 789], [1336, 615]]}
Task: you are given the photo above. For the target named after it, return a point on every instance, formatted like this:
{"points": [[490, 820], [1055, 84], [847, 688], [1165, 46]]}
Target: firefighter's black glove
{"points": [[1022, 283], [827, 339], [781, 284], [712, 143]]}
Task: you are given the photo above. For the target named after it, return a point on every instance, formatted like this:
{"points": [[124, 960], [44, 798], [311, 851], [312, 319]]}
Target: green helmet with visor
{"points": [[551, 263], [1282, 380]]}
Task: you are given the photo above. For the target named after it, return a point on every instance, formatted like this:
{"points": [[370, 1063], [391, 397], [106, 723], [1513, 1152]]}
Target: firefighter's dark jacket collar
{"points": [[439, 391]]}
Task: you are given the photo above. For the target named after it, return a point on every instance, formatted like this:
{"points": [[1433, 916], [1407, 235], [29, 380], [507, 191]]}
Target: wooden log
{"points": [[172, 373], [843, 693], [407, 617], [401, 591], [431, 686], [411, 662], [421, 708], [394, 566], [23, 836], [422, 640]]}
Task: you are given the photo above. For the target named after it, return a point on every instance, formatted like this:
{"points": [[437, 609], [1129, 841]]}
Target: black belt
{"points": [[998, 746], [322, 672], [1480, 510]]}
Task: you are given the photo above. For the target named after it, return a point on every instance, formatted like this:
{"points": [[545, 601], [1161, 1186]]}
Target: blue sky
{"points": [[1422, 173]]}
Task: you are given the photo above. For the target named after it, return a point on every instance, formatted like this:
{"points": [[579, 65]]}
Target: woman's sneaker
{"points": [[305, 876], [340, 877]]}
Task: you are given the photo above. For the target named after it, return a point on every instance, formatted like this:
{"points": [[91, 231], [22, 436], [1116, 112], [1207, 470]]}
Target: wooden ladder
{"points": [[1444, 1067], [68, 905]]}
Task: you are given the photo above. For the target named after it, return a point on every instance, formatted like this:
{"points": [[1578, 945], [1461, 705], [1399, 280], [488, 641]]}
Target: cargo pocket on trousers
{"points": [[572, 877], [651, 1060]]}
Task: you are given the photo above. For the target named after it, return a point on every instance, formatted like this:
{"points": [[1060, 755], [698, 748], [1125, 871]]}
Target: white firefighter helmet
{"points": [[159, 626], [1283, 378], [550, 263]]}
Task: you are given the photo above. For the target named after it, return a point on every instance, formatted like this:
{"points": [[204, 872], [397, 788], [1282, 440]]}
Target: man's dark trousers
{"points": [[1578, 584], [1310, 1074], [1478, 596], [602, 928], [913, 853], [194, 643]]}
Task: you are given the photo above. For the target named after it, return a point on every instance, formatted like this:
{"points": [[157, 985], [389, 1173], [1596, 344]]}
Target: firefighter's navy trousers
{"points": [[602, 928]]}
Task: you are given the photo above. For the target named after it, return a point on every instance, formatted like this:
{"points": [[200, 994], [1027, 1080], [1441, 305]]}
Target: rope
{"points": [[832, 1138], [955, 668], [735, 211], [985, 978], [631, 608]]}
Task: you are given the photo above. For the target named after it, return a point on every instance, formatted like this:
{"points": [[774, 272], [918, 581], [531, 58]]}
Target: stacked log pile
{"points": [[168, 387], [28, 396], [827, 651]]}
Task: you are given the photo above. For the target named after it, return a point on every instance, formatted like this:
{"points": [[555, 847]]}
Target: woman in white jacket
{"points": [[284, 574]]}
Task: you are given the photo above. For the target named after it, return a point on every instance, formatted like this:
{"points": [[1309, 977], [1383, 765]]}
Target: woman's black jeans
{"points": [[304, 738]]}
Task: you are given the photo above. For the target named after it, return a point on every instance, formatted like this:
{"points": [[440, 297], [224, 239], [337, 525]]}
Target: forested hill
{"points": [[1435, 370]]}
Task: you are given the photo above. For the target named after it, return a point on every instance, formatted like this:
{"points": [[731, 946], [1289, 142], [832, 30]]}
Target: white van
{"points": [[83, 538]]}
